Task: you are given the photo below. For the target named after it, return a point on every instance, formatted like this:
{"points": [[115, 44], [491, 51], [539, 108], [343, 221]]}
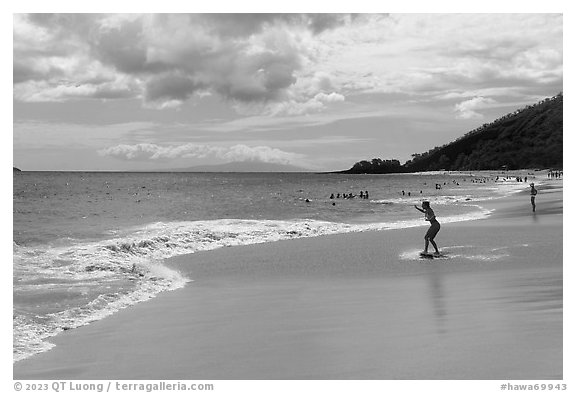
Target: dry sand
{"points": [[352, 306]]}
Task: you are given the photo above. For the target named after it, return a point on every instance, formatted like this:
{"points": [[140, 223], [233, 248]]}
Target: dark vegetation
{"points": [[526, 138]]}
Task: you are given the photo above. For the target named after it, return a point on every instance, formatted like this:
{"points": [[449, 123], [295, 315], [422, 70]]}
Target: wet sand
{"points": [[351, 306]]}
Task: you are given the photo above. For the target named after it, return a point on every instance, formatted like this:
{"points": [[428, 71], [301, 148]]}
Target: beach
{"points": [[345, 306]]}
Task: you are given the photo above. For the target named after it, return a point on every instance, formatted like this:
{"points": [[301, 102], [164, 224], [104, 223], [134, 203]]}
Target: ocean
{"points": [[88, 244]]}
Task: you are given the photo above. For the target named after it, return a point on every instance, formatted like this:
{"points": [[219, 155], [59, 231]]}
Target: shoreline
{"points": [[319, 267]]}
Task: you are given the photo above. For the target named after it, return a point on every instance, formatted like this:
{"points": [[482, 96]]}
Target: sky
{"points": [[317, 91]]}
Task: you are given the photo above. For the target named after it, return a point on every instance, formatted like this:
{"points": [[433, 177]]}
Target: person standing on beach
{"points": [[533, 192], [434, 226]]}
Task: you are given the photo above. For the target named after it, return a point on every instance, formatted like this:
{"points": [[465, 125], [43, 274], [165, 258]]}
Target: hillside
{"points": [[527, 138]]}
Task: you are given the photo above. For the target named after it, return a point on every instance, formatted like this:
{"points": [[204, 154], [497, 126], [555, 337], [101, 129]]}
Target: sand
{"points": [[351, 306]]}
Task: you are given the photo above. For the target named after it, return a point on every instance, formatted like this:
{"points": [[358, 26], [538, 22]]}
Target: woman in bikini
{"points": [[434, 226]]}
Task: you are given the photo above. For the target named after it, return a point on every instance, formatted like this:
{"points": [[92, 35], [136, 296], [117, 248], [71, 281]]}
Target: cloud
{"points": [[260, 153], [291, 107], [425, 54], [164, 59], [171, 87], [149, 151], [278, 64], [469, 109], [315, 104], [42, 134], [42, 91]]}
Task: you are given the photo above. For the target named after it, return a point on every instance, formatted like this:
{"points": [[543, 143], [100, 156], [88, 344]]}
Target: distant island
{"points": [[244, 166], [14, 169], [530, 137]]}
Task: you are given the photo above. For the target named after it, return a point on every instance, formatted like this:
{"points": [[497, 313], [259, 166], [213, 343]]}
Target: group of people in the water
{"points": [[437, 186], [517, 178], [362, 195], [554, 174]]}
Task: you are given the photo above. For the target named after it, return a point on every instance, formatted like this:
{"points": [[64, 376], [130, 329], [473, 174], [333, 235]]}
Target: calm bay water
{"points": [[89, 244]]}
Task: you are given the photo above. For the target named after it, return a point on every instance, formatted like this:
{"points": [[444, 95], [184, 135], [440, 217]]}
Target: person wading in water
{"points": [[533, 192]]}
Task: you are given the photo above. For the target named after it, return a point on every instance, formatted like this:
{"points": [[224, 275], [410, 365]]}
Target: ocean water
{"points": [[86, 245]]}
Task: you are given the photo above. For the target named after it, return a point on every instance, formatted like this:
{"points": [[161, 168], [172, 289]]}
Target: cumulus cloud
{"points": [[149, 151], [429, 54], [315, 104], [164, 59], [469, 109], [277, 64], [291, 107]]}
